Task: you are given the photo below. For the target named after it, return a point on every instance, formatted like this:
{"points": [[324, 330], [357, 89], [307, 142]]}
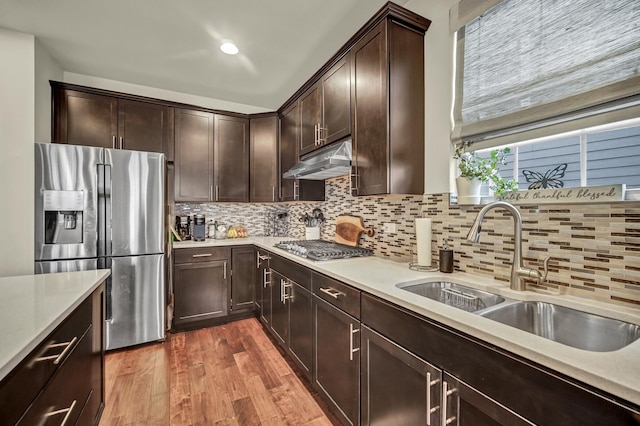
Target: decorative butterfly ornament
{"points": [[551, 178]]}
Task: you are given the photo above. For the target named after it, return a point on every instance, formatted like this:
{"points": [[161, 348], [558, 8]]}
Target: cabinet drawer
{"points": [[200, 254], [338, 294], [292, 270], [21, 386], [65, 395]]}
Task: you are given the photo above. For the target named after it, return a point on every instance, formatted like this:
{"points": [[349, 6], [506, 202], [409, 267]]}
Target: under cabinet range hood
{"points": [[329, 162]]}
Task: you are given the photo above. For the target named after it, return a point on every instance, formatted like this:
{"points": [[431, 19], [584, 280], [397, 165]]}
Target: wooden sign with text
{"points": [[587, 194]]}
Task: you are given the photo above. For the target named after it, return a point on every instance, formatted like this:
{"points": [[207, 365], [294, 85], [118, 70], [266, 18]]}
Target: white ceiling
{"points": [[174, 44]]}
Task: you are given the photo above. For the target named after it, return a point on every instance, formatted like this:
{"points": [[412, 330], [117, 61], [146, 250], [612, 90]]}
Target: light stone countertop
{"points": [[32, 306], [616, 372]]}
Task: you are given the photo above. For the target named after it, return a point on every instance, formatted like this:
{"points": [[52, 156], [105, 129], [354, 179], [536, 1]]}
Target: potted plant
{"points": [[475, 170]]}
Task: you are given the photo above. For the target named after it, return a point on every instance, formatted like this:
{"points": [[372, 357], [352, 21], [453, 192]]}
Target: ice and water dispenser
{"points": [[63, 211]]}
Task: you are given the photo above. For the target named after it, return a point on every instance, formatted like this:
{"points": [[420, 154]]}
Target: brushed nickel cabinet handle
{"points": [[315, 135], [64, 410], [445, 395], [260, 258], [273, 192], [285, 296], [430, 410], [217, 193], [266, 278], [224, 270], [202, 255], [59, 357], [121, 142], [332, 292], [352, 350], [113, 142]]}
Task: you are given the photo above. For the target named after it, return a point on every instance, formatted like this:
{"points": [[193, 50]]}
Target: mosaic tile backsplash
{"points": [[594, 248]]}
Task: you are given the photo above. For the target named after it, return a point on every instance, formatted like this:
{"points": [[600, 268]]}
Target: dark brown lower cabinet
{"points": [[62, 380], [336, 369], [279, 309], [243, 278], [261, 277], [466, 406], [200, 291], [400, 388], [300, 343], [288, 313], [482, 384], [263, 287]]}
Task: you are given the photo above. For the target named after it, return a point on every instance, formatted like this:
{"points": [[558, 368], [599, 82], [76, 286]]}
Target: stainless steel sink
{"points": [[568, 326], [456, 295]]}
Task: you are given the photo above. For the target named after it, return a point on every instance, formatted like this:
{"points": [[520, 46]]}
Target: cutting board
{"points": [[349, 228]]}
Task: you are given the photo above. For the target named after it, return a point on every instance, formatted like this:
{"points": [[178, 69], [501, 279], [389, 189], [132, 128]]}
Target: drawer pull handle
{"points": [[284, 295], [259, 259], [266, 278], [57, 358], [446, 392], [352, 350], [332, 292], [64, 410], [202, 255], [430, 410]]}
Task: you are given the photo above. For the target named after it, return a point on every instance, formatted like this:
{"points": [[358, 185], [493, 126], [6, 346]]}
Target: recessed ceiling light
{"points": [[229, 47]]}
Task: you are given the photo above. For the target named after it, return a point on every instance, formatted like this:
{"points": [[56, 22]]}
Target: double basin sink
{"points": [[564, 325]]}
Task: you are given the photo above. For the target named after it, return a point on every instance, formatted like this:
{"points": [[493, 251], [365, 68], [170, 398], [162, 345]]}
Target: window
{"points": [[527, 69], [590, 158]]}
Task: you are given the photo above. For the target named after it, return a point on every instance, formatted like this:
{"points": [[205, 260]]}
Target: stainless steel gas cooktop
{"points": [[322, 250]]}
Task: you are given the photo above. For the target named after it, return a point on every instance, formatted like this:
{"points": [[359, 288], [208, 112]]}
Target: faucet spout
{"points": [[518, 272]]}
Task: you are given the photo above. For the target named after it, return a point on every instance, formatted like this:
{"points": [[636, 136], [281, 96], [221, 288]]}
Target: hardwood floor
{"points": [[231, 374]]}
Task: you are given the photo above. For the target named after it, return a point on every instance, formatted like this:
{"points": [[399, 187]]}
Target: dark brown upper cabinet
{"points": [[388, 137], [144, 126], [263, 159], [325, 108], [373, 90], [231, 159], [85, 119], [193, 155], [104, 119], [212, 157], [294, 189]]}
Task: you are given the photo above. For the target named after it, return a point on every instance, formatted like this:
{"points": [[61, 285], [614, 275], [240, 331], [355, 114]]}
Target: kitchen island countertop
{"points": [[616, 372], [32, 306]]}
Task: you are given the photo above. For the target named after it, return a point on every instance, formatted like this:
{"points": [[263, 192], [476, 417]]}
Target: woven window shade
{"points": [[533, 68]]}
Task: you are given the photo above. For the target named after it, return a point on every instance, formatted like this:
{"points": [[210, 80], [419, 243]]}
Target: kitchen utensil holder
{"points": [[312, 233]]}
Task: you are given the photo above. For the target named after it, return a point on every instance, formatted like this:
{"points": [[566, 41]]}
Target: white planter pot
{"points": [[468, 190]]}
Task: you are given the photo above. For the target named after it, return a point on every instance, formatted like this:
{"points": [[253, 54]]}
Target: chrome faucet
{"points": [[518, 272]]}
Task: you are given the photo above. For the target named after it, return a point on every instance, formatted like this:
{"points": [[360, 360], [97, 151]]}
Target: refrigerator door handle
{"points": [[107, 208], [101, 206], [105, 263]]}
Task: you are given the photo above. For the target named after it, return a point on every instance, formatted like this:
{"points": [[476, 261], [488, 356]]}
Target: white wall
{"points": [[439, 44], [46, 68], [152, 92], [17, 117]]}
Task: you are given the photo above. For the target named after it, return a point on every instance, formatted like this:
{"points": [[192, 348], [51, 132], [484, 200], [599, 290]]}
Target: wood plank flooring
{"points": [[231, 374]]}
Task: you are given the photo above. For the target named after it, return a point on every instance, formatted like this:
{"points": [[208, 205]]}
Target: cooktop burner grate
{"points": [[323, 250]]}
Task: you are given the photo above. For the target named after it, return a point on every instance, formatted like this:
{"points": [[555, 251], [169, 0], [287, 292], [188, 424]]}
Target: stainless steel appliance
{"points": [[199, 227], [104, 208], [323, 250]]}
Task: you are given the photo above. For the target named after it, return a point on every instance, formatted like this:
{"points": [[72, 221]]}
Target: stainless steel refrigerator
{"points": [[104, 208]]}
